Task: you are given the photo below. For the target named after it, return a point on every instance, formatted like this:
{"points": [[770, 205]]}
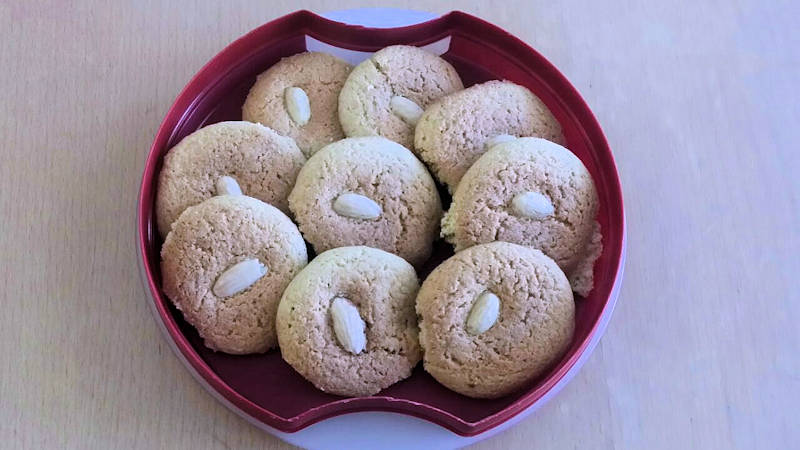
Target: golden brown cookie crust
{"points": [[321, 76], [383, 171], [534, 327], [264, 163], [452, 133], [482, 209], [209, 238], [411, 72], [383, 287]]}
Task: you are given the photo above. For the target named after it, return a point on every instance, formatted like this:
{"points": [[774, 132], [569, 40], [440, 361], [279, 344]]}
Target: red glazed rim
{"points": [[332, 32]]}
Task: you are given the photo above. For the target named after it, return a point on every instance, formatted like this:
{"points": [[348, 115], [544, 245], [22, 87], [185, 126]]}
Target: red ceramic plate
{"points": [[264, 386]]}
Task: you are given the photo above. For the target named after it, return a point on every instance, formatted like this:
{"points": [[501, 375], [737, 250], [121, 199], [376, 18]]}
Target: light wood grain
{"points": [[699, 102]]}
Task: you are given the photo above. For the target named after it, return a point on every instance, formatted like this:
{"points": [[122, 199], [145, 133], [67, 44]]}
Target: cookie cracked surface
{"points": [[382, 287], [453, 133], [367, 191], [410, 73], [533, 327], [208, 240], [321, 77], [263, 163], [484, 210]]}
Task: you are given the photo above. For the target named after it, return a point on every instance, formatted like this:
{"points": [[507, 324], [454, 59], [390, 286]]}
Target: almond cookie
{"points": [[298, 97], [226, 157], [493, 318], [225, 265], [528, 191], [347, 322], [386, 94], [367, 191], [454, 132]]}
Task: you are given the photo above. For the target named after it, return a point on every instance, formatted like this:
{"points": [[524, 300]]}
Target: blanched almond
{"points": [[356, 206], [532, 205], [239, 277], [228, 186], [406, 109], [483, 314], [348, 325], [297, 105]]}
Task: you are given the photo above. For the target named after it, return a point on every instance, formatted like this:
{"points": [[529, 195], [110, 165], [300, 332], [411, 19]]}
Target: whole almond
{"points": [[239, 277], [532, 205], [483, 314], [297, 105], [356, 206], [406, 109], [228, 186], [499, 139], [348, 325]]}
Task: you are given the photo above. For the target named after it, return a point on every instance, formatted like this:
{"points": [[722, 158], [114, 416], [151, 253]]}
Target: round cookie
{"points": [[321, 77], [263, 163], [382, 288], [490, 201], [533, 326], [367, 191], [206, 243], [366, 105], [454, 132]]}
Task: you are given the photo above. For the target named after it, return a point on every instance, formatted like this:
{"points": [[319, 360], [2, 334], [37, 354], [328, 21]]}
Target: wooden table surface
{"points": [[700, 104]]}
